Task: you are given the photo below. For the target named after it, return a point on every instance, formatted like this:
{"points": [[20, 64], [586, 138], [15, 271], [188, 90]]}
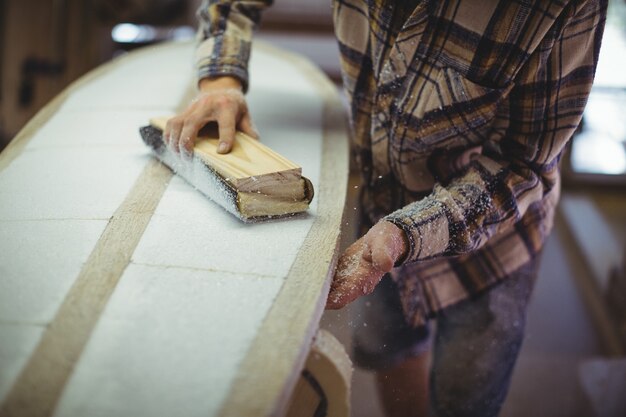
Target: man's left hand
{"points": [[365, 262]]}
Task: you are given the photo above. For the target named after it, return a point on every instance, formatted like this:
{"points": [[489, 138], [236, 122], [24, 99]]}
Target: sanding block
{"points": [[253, 182]]}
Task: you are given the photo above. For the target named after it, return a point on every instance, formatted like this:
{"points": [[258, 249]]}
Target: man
{"points": [[460, 111]]}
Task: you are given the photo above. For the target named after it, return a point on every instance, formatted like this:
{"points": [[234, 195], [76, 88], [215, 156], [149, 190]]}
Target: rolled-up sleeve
{"points": [[225, 37], [545, 106]]}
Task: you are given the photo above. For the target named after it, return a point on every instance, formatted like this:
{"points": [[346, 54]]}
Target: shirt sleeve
{"points": [[497, 188], [225, 36]]}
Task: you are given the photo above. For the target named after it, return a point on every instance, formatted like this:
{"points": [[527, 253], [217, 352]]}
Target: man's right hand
{"points": [[220, 100]]}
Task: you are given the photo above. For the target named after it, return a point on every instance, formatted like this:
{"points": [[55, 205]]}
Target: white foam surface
{"points": [[39, 261], [162, 60], [18, 341], [189, 230], [88, 129], [272, 74], [167, 343], [292, 129], [68, 183], [141, 81], [200, 282], [119, 91], [287, 109]]}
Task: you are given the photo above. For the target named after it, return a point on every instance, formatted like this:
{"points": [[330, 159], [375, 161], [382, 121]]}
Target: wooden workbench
{"points": [[123, 291]]}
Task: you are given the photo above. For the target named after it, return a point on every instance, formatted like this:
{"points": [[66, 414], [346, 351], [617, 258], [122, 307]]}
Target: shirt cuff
{"points": [[426, 226], [221, 56], [414, 243], [218, 69]]}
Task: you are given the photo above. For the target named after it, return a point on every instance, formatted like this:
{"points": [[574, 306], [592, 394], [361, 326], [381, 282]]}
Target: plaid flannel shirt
{"points": [[459, 117]]}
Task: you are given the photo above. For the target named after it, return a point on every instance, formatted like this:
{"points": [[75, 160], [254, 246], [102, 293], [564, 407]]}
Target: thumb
{"points": [[381, 257], [376, 250]]}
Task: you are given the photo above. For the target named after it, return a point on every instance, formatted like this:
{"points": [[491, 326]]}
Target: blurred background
{"points": [[46, 44], [573, 362]]}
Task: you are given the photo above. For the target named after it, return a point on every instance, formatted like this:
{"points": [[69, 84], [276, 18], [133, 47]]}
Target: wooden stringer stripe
{"points": [[38, 388]]}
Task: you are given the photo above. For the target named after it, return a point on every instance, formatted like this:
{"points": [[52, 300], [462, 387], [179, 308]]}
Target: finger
{"points": [[346, 291], [381, 259], [169, 127], [348, 279], [188, 136], [176, 125], [333, 304], [226, 127], [340, 287], [338, 298], [247, 127], [166, 132]]}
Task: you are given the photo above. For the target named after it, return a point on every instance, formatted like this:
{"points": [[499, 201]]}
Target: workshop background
{"points": [[573, 361]]}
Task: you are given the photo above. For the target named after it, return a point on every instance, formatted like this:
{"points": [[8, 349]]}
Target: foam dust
{"points": [[348, 266]]}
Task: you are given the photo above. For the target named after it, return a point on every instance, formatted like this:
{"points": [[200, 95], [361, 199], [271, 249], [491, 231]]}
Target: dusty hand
{"points": [[365, 262], [220, 100]]}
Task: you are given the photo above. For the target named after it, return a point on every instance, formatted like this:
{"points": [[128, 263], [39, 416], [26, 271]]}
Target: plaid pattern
{"points": [[459, 116], [459, 123], [225, 35]]}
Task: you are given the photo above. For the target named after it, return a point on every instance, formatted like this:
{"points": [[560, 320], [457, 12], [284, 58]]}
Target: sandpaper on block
{"points": [[252, 181]]}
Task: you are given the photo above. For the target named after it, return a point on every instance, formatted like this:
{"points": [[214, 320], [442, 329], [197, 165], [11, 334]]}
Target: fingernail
{"points": [[222, 147]]}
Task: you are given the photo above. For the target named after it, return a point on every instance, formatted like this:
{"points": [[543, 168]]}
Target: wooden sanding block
{"points": [[252, 181]]}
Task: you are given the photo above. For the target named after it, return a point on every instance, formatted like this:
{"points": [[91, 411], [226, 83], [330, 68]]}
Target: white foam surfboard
{"points": [[124, 291]]}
